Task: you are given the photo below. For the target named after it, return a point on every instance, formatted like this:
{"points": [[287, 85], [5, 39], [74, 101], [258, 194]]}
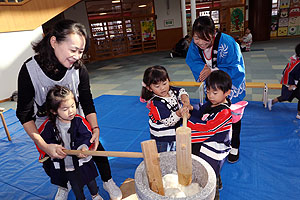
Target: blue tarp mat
{"points": [[269, 154]]}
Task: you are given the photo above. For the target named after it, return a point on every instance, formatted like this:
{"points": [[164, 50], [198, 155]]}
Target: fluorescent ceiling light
{"points": [[142, 6], [102, 13], [115, 1]]}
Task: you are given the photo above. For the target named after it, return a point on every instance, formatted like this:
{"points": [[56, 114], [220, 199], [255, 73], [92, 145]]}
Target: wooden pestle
{"points": [[152, 166], [183, 153]]}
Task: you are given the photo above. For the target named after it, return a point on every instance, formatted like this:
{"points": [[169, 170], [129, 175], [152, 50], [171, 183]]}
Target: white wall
{"points": [[15, 49], [78, 13], [163, 13]]}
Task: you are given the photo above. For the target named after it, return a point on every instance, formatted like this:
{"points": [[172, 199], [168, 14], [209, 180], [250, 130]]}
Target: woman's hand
{"points": [[92, 119], [204, 73], [95, 139], [55, 151]]}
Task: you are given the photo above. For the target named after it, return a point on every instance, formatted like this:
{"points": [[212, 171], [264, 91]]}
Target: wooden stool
{"points": [[4, 124]]}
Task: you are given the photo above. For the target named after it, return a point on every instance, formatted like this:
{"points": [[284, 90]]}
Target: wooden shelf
{"points": [[122, 39]]}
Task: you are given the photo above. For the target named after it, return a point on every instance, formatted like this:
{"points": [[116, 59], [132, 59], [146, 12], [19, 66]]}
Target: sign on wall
{"points": [[169, 22], [148, 30], [237, 19]]}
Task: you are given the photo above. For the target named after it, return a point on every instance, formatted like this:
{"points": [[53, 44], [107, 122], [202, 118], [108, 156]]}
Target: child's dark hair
{"points": [[153, 75], [55, 97], [204, 27], [297, 50], [219, 80]]}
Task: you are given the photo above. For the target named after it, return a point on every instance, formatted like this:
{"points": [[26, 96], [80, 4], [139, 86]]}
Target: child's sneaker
{"points": [[233, 155], [298, 116], [62, 193], [270, 104], [97, 197], [112, 189]]}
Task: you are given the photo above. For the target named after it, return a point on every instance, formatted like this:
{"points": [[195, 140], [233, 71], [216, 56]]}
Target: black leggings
{"points": [[77, 186], [295, 94], [236, 130], [102, 164]]}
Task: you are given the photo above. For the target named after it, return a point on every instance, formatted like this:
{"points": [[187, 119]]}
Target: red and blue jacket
{"points": [[290, 76], [80, 132], [211, 133], [291, 73]]}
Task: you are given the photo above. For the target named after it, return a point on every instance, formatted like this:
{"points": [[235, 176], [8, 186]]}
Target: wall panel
{"points": [[167, 38]]}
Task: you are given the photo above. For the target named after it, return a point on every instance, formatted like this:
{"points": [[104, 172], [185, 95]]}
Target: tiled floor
{"points": [[123, 76]]}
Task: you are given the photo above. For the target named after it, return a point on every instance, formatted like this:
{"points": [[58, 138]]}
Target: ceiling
{"points": [[95, 7]]}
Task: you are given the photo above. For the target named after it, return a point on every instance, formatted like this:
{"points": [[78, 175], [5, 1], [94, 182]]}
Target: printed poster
{"points": [[282, 31], [274, 23], [295, 3], [273, 34], [295, 12], [274, 26], [283, 22], [284, 12], [293, 21], [237, 19], [148, 30], [292, 30], [284, 4]]}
